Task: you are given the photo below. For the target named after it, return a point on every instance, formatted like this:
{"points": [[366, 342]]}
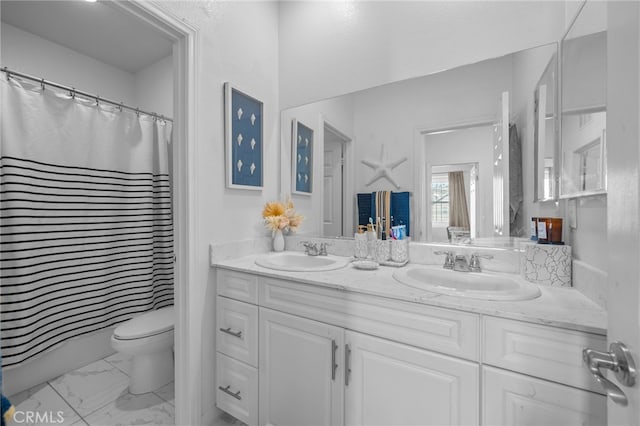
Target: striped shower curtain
{"points": [[85, 215]]}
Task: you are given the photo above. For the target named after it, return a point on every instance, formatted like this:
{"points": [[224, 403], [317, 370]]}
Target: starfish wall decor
{"points": [[383, 168]]}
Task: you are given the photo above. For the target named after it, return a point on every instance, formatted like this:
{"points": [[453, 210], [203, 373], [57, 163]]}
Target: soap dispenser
{"points": [[360, 244], [371, 241]]}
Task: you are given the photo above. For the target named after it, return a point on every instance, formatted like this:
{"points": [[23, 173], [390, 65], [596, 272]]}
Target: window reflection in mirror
{"points": [[584, 116]]}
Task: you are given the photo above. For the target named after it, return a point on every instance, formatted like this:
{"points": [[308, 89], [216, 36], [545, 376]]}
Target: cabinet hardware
{"points": [[227, 330], [618, 360], [226, 390], [347, 364], [334, 364]]}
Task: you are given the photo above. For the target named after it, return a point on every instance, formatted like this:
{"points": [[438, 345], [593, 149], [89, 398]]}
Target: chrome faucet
{"points": [[474, 263], [311, 249], [461, 264], [323, 249], [448, 260]]}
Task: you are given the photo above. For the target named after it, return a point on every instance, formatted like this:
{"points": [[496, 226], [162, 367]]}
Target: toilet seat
{"points": [[148, 324]]}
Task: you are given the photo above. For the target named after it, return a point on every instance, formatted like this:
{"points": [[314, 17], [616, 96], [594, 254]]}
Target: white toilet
{"points": [[149, 338]]}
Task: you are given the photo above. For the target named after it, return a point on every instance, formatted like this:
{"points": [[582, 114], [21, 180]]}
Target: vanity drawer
{"points": [[237, 389], [441, 330], [237, 285], [547, 352], [515, 399], [237, 330]]}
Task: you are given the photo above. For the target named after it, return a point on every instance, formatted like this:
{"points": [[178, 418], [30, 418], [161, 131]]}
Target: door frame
{"points": [[420, 210], [348, 193], [185, 41]]}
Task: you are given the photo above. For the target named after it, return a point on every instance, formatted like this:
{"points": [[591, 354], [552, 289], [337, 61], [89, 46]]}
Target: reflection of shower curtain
{"points": [[458, 210], [86, 218]]}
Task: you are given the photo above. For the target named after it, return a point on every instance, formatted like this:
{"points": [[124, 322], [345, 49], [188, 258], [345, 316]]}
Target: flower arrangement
{"points": [[281, 216]]}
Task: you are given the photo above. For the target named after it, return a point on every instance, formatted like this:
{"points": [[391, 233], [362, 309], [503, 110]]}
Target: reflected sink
{"points": [[299, 262], [474, 285]]}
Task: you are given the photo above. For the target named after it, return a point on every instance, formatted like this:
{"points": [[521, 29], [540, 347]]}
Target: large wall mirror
{"points": [[464, 134], [583, 103]]}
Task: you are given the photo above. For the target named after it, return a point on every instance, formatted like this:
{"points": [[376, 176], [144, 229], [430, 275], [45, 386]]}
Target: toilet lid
{"points": [[147, 324]]}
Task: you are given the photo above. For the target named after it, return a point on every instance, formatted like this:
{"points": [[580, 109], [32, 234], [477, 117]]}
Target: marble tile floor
{"points": [[96, 394]]}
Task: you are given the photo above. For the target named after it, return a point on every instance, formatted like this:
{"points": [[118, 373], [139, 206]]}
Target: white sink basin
{"points": [[474, 285], [300, 262]]}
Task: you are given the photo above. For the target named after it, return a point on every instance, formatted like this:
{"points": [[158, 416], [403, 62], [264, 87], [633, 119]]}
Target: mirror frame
{"points": [[560, 159]]}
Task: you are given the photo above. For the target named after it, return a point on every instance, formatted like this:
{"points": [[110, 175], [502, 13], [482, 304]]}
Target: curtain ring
{"points": [[138, 112], [120, 106], [42, 84], [6, 70], [72, 93], [97, 100]]}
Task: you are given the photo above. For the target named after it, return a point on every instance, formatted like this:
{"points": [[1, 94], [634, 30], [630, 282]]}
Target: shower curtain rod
{"points": [[73, 92]]}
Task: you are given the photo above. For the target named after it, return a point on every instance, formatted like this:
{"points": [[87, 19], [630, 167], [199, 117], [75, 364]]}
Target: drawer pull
{"points": [[334, 364], [347, 364], [226, 390], [227, 330]]}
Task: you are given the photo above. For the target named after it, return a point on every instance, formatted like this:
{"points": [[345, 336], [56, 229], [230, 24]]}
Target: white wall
{"points": [[332, 48], [238, 43], [30, 54], [153, 87]]}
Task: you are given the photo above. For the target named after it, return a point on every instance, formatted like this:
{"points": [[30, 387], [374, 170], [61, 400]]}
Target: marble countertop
{"points": [[556, 306]]}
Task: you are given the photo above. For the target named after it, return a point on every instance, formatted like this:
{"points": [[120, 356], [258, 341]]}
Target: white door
{"points": [[333, 176], [301, 371], [394, 384], [623, 192]]}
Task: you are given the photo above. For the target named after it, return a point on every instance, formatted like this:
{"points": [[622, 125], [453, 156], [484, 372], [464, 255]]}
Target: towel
{"points": [[392, 204]]}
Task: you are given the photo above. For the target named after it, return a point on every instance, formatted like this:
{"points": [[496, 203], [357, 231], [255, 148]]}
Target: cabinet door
{"points": [[394, 384], [512, 399], [301, 371]]}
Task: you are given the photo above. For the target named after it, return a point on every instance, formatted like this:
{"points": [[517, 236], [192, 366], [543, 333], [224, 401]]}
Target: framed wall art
{"points": [[243, 139], [301, 159]]}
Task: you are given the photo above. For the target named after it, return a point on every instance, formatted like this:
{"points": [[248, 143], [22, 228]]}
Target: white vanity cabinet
{"points": [[561, 391], [390, 383], [300, 379], [312, 355]]}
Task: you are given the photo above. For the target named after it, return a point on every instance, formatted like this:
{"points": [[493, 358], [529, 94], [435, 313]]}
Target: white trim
{"points": [[348, 185], [422, 172], [187, 360]]}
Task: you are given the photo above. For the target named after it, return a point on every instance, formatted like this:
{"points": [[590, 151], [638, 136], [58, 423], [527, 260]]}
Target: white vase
{"points": [[278, 240]]}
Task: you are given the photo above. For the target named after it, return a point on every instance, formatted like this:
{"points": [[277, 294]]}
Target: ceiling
{"points": [[98, 30]]}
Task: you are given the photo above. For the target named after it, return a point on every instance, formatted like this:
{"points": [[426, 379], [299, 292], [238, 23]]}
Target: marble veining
{"points": [[92, 386], [130, 409], [557, 306], [43, 399], [96, 395]]}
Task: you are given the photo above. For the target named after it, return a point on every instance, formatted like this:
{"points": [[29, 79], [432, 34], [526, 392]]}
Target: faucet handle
{"points": [[323, 249], [449, 259], [474, 263], [307, 245]]}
